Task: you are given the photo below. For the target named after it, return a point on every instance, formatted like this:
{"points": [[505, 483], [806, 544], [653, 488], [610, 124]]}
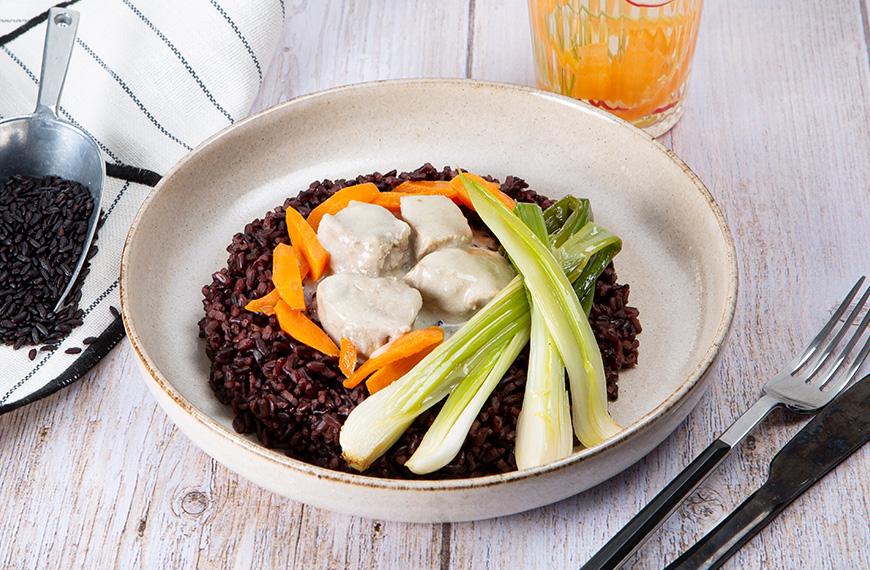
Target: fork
{"points": [[802, 385]]}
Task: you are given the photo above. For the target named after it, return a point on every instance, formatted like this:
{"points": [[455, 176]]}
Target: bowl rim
{"points": [[689, 383]]}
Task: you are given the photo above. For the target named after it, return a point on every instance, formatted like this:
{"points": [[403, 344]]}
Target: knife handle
{"points": [[633, 535], [732, 533]]}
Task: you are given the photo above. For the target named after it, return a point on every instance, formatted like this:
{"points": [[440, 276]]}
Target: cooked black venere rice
{"points": [[291, 396]]}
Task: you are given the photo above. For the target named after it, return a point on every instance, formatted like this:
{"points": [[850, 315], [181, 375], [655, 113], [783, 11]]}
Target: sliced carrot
{"points": [[303, 265], [406, 345], [493, 187], [395, 370], [265, 304], [300, 327], [347, 357], [431, 187], [391, 200], [305, 241], [338, 201], [287, 276]]}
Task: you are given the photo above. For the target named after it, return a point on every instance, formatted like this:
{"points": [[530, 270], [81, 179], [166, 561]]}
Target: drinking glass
{"points": [[629, 57]]}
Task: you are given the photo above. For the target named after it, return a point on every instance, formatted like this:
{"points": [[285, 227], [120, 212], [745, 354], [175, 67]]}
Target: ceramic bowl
{"points": [[678, 257]]}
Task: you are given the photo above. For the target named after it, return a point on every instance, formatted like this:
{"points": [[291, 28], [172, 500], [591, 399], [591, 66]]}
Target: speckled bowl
{"points": [[678, 256]]}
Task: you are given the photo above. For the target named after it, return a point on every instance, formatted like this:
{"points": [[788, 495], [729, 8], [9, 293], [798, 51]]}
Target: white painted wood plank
{"points": [[502, 43], [331, 43]]}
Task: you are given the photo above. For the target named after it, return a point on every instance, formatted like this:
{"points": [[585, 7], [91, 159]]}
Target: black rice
{"points": [[43, 226], [290, 396]]}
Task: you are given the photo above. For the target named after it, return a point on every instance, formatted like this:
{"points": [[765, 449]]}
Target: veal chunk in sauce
{"points": [[391, 274], [460, 281], [365, 239], [435, 222], [369, 311]]}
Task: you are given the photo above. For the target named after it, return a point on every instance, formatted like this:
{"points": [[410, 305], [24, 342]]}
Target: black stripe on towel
{"points": [[181, 58], [32, 23], [104, 215], [129, 92], [132, 174], [239, 34], [129, 174]]}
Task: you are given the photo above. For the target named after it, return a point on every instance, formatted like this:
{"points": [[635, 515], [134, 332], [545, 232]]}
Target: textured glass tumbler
{"points": [[629, 57]]}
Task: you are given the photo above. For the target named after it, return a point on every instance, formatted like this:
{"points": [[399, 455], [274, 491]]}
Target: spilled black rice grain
{"points": [[291, 396], [43, 226]]}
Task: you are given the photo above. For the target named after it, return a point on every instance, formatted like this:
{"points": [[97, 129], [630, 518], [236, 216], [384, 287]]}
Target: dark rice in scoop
{"points": [[291, 396]]}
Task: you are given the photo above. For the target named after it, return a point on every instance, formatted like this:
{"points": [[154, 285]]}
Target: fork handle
{"points": [[732, 533], [634, 534]]}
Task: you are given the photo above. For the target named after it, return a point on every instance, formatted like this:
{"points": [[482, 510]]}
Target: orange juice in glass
{"points": [[630, 57]]}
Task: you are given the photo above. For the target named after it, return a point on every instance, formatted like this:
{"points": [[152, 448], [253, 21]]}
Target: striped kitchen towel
{"points": [[148, 80]]}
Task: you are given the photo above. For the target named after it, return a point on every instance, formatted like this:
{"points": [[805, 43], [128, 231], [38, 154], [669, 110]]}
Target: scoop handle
{"points": [[60, 37]]}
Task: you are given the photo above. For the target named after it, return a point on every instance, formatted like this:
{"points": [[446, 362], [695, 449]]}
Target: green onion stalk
{"points": [[544, 425], [552, 291]]}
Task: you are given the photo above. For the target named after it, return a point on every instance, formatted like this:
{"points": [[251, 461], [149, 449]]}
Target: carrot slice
{"points": [[406, 345], [265, 304], [287, 276], [303, 265], [391, 200], [347, 357], [305, 241], [303, 329], [395, 370], [431, 187], [338, 201], [493, 187]]}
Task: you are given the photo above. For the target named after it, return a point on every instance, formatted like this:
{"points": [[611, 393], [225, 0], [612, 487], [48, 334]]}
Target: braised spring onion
{"points": [[544, 425], [565, 318]]}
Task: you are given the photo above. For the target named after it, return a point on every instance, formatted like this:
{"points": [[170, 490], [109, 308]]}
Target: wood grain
{"points": [[777, 125]]}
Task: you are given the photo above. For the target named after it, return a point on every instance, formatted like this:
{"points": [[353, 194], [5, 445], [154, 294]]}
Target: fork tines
{"points": [[811, 363]]}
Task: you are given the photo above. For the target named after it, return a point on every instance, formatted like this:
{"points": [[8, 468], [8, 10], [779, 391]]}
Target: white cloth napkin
{"points": [[148, 80]]}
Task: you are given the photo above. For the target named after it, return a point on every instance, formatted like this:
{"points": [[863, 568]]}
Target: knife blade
{"points": [[836, 432]]}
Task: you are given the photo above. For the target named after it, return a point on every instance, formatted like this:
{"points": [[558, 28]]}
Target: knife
{"points": [[839, 430]]}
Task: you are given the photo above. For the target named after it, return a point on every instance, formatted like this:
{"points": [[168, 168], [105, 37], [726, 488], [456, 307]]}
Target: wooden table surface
{"points": [[778, 127]]}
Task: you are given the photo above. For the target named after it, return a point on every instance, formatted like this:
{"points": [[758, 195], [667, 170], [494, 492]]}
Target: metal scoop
{"points": [[43, 145]]}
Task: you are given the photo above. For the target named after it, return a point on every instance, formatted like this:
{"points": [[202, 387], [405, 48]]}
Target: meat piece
{"points": [[435, 222], [365, 239], [369, 311], [460, 280]]}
